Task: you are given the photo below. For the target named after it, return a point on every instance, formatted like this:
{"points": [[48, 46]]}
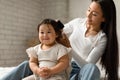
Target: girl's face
{"points": [[47, 34], [94, 15]]}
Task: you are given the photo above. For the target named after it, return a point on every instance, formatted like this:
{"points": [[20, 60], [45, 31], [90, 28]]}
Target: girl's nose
{"points": [[45, 34]]}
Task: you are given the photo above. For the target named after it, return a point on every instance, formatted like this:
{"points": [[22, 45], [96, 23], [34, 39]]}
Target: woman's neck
{"points": [[92, 30]]}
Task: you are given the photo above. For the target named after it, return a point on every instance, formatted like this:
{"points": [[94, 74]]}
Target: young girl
{"points": [[49, 59]]}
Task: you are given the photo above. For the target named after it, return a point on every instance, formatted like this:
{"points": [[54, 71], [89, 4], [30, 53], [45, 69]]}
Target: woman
{"points": [[92, 38]]}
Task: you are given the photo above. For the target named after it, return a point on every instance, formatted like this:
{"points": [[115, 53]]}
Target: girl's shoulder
{"points": [[62, 47], [36, 47]]}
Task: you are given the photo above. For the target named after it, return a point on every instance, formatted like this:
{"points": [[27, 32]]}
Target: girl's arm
{"points": [[62, 64], [33, 62]]}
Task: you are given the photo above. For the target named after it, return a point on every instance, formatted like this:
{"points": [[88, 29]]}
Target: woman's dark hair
{"points": [[110, 58], [57, 25]]}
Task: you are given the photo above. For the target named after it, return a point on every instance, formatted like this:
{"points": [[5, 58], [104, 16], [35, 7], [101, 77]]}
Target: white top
{"points": [[84, 49], [49, 57]]}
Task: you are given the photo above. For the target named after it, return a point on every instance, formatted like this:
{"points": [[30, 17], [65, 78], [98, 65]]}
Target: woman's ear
{"points": [[103, 20], [56, 35]]}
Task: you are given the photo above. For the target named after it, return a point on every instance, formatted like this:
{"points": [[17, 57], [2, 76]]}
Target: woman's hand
{"points": [[64, 40]]}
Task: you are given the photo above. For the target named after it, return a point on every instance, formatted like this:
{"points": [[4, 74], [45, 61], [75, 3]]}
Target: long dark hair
{"points": [[110, 58], [57, 25]]}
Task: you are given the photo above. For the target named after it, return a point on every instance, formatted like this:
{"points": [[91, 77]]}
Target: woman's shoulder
{"points": [[102, 36], [102, 33], [78, 20]]}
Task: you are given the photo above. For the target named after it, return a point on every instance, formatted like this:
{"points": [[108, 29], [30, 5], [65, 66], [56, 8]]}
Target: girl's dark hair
{"points": [[110, 58], [57, 25]]}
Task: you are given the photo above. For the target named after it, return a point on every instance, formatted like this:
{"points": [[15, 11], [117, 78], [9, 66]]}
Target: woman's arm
{"points": [[97, 51], [94, 54]]}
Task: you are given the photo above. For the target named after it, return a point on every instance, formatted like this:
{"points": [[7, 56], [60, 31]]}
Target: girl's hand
{"points": [[44, 72], [48, 72]]}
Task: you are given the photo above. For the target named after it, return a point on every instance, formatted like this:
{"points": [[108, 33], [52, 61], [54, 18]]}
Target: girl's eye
{"points": [[42, 32], [49, 32]]}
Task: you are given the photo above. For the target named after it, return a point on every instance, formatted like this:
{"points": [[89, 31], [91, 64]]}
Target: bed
{"points": [[4, 70]]}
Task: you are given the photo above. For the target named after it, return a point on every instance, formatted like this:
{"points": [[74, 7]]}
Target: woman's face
{"points": [[47, 34], [94, 15]]}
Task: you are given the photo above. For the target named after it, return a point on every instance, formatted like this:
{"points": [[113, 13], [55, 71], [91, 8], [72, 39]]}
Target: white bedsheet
{"points": [[5, 70]]}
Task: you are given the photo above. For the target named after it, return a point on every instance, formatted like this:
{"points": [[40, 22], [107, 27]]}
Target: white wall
{"points": [[18, 23], [117, 2], [77, 8]]}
